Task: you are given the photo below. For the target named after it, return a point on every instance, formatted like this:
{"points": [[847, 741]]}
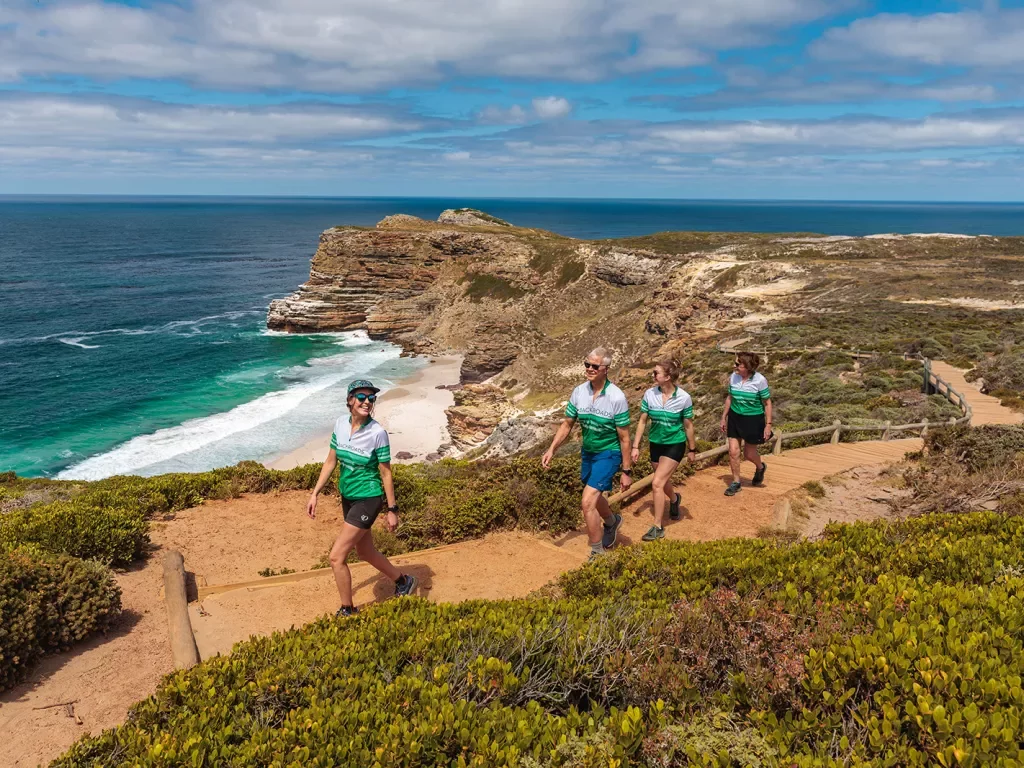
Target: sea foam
{"points": [[257, 429]]}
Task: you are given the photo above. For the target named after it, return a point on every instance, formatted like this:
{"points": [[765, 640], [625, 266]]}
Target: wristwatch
{"points": [[393, 509], [628, 472]]}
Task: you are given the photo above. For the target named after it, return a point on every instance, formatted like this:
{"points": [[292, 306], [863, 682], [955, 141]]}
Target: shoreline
{"points": [[413, 413]]}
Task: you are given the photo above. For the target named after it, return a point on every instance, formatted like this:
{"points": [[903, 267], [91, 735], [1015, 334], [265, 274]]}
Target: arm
{"points": [[624, 479], [325, 474], [641, 425], [560, 437], [691, 444], [725, 411], [767, 418], [387, 479]]}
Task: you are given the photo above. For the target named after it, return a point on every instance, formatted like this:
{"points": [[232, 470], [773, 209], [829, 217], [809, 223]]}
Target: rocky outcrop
{"points": [[624, 267], [401, 221], [478, 409], [470, 217], [518, 434]]}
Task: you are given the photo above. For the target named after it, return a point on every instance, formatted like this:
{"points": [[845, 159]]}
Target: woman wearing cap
{"points": [[363, 448], [747, 416], [670, 411]]}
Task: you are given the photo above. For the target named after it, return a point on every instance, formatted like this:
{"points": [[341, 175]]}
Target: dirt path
{"points": [[227, 542]]}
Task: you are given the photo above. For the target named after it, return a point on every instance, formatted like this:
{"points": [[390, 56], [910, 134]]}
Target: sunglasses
{"points": [[736, 364], [362, 396], [592, 366]]}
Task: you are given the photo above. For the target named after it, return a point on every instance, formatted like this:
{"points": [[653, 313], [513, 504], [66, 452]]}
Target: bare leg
{"points": [[734, 458], [368, 552], [345, 543], [595, 511], [661, 487], [750, 451]]}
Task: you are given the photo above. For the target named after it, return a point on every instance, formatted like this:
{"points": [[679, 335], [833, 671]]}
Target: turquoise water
{"points": [[132, 331]]}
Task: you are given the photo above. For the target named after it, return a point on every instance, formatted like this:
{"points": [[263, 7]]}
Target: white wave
{"points": [[171, 327], [76, 341], [218, 440]]}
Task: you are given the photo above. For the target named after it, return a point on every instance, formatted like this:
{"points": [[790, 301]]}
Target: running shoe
{"points": [[673, 508], [405, 585], [611, 532], [654, 534], [733, 489], [759, 475], [595, 555], [346, 610]]}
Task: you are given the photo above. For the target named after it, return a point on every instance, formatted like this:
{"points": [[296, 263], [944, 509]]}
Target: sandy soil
{"points": [[413, 413], [858, 495], [984, 305], [781, 287]]}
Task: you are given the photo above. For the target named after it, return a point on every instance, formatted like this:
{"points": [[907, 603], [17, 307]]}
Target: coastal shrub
{"points": [[484, 285], [1004, 371], [47, 603], [570, 272], [882, 644], [977, 448]]}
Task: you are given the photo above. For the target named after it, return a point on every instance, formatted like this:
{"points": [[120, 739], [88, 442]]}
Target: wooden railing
{"points": [[931, 382]]}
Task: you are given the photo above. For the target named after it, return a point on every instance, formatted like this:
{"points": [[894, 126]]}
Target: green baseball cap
{"points": [[361, 384]]}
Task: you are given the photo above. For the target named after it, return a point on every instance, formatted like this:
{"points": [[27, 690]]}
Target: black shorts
{"points": [[673, 451], [362, 512], [749, 429]]}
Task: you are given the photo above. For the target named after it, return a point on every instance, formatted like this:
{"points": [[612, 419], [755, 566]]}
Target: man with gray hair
{"points": [[601, 409]]}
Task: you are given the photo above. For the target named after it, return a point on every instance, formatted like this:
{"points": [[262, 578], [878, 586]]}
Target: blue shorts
{"points": [[597, 469]]}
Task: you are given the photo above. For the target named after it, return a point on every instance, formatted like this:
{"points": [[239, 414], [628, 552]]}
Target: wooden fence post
{"points": [[183, 642], [885, 435], [927, 373], [777, 450], [924, 429], [838, 429]]}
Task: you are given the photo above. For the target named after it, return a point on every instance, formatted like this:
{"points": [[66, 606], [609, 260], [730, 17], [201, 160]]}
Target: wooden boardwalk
{"points": [[987, 409]]}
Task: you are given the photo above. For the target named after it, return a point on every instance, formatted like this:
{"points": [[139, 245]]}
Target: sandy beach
{"points": [[412, 412]]}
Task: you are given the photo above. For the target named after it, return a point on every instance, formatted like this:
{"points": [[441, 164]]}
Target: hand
{"points": [[722, 426], [625, 481], [636, 455], [393, 521], [545, 460], [311, 507], [767, 431], [691, 457]]}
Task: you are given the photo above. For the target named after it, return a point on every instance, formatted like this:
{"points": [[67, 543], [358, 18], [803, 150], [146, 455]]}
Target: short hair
{"points": [[670, 367], [603, 354], [750, 360]]}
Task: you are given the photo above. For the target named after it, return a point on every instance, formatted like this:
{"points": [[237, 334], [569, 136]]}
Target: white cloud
{"points": [[337, 45], [551, 107], [72, 121], [968, 38], [493, 114]]}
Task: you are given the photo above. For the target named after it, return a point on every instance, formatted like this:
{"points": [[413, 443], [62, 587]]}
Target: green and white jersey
{"points": [[599, 416], [360, 456], [667, 418], [748, 395]]}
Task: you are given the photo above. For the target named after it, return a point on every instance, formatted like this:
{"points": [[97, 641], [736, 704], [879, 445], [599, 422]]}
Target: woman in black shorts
{"points": [[362, 447], [747, 416], [670, 411]]}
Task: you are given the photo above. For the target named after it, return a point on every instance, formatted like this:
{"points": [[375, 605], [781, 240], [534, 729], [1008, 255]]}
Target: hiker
{"points": [[601, 409], [747, 416], [670, 411], [363, 448]]}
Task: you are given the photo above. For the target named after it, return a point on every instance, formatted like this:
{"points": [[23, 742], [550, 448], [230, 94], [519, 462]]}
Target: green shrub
{"points": [[1004, 371], [570, 272], [977, 448], [814, 489], [883, 644], [47, 603], [483, 285]]}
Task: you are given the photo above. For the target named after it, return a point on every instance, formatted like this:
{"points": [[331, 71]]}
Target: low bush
{"points": [[883, 644], [47, 603], [1003, 371], [977, 448], [106, 520]]}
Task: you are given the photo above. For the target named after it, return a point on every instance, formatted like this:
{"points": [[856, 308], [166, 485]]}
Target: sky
{"points": [[777, 99]]}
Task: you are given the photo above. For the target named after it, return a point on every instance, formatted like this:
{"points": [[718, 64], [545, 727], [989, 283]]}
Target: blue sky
{"points": [[836, 99]]}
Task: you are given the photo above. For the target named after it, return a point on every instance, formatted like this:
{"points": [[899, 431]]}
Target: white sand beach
{"points": [[412, 412]]}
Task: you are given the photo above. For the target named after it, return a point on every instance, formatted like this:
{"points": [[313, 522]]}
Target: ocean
{"points": [[132, 330]]}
